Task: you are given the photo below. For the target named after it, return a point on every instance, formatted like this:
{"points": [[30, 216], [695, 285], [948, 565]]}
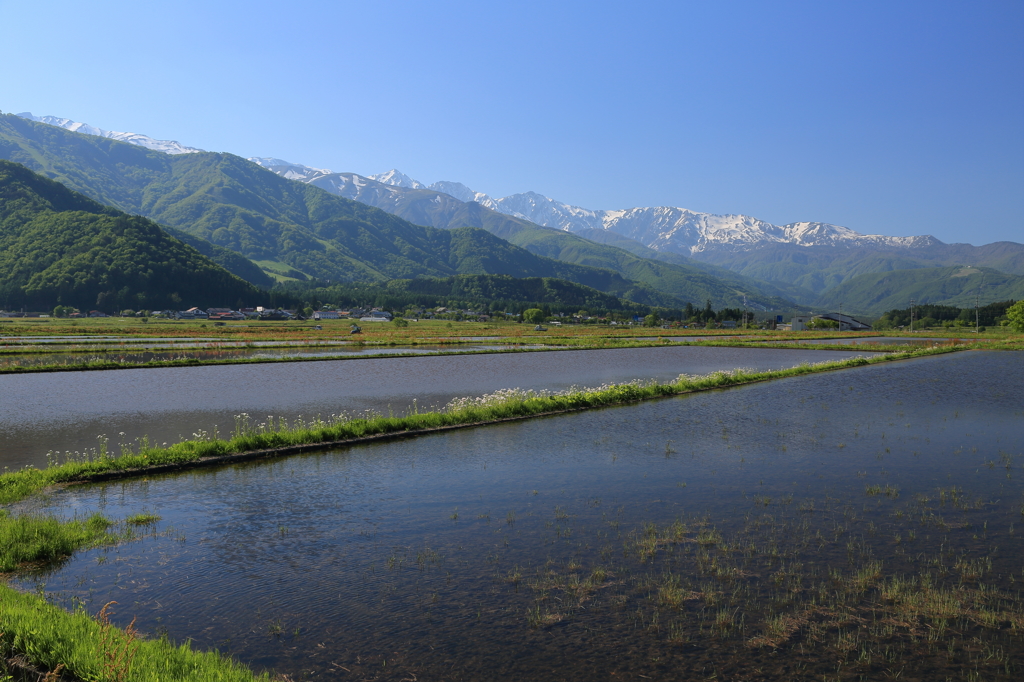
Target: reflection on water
{"points": [[676, 539], [68, 410]]}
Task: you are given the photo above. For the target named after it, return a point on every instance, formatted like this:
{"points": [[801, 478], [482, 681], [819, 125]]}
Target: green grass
{"points": [[35, 539], [91, 649], [510, 404]]}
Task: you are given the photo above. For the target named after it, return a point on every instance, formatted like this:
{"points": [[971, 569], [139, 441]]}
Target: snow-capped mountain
{"points": [[662, 228], [166, 146], [678, 230], [292, 171], [462, 193], [398, 179]]}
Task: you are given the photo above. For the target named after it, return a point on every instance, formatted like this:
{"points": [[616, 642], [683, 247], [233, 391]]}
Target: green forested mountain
{"points": [[482, 293], [813, 270], [237, 205], [233, 262], [875, 293], [58, 247]]}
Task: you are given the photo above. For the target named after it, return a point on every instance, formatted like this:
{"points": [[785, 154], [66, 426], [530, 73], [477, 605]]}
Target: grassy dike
{"points": [[36, 634], [92, 649]]}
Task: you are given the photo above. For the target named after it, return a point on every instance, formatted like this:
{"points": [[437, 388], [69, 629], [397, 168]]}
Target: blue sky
{"points": [[894, 118]]}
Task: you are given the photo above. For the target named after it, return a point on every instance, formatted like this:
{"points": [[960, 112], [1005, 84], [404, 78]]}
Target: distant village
{"points": [[796, 323], [257, 313]]}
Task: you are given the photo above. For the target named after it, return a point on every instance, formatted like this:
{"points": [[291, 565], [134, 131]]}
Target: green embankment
{"points": [[87, 648], [47, 637]]}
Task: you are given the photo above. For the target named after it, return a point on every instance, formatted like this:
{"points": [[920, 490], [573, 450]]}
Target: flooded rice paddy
{"points": [[861, 524], [65, 411], [136, 355]]}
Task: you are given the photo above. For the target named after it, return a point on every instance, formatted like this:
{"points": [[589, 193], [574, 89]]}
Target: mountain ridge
{"points": [[145, 141]]}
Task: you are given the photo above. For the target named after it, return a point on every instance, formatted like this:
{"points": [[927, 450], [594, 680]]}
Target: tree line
{"points": [[928, 315]]}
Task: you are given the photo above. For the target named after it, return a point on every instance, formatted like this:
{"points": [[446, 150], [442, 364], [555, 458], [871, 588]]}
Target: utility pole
{"points": [[744, 311], [911, 314], [840, 316], [977, 323]]}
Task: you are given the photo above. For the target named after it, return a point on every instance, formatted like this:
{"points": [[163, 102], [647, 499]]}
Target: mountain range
{"points": [[662, 228], [800, 261], [686, 255], [286, 226]]}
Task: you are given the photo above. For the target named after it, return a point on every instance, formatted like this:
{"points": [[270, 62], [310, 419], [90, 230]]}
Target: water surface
{"points": [[607, 544]]}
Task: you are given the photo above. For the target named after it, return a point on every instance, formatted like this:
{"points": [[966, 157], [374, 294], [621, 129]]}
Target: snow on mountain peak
{"points": [[292, 171], [165, 146], [461, 192], [397, 179]]}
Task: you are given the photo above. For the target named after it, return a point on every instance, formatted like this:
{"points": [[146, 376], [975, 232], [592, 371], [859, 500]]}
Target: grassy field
{"points": [[423, 329], [206, 338]]}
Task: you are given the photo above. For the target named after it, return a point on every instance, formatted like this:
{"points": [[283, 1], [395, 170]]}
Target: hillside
{"points": [[812, 270], [482, 293], [58, 247], [234, 263], [875, 293]]}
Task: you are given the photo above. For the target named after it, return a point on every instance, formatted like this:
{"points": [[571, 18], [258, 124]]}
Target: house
{"points": [[327, 315], [377, 316], [225, 314], [190, 314], [97, 313], [799, 322]]}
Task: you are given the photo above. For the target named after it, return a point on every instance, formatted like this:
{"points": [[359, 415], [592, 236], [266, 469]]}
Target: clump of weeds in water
{"points": [[810, 582], [36, 539], [142, 519]]}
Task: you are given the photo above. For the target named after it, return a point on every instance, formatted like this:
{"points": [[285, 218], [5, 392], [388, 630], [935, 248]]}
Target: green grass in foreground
{"points": [[508, 404], [93, 649]]}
